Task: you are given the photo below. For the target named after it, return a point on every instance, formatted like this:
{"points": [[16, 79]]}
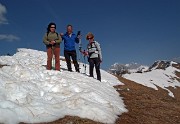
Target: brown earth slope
{"points": [[148, 106]]}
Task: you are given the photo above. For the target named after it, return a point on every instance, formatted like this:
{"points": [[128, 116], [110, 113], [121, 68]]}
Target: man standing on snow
{"points": [[69, 47]]}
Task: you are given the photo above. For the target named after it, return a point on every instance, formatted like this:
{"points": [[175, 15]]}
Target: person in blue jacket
{"points": [[70, 39]]}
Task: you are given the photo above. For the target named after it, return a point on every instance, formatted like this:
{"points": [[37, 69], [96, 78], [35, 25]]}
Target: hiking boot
{"points": [[70, 70]]}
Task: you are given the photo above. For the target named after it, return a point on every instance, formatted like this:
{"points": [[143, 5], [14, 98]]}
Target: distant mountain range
{"points": [[120, 69], [162, 74]]}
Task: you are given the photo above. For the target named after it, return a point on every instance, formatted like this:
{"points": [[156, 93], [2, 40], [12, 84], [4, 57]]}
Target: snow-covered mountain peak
{"points": [[163, 74], [120, 69], [162, 64]]}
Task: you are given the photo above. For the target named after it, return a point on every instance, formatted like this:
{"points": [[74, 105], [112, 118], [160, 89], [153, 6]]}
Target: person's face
{"points": [[90, 39], [52, 28], [69, 29]]}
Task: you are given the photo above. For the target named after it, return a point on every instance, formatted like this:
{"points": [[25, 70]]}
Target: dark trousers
{"points": [[95, 62], [73, 55]]}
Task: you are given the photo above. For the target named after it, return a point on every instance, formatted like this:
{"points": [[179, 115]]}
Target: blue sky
{"points": [[141, 31]]}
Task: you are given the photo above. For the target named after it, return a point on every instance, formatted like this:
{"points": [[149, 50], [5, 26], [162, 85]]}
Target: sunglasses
{"points": [[52, 27], [89, 38]]}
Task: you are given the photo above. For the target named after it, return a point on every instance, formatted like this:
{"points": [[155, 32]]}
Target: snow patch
{"points": [[157, 77], [29, 93]]}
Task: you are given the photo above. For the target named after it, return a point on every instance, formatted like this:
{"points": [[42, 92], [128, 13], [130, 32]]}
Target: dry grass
{"points": [[177, 74], [73, 120], [176, 65], [148, 106]]}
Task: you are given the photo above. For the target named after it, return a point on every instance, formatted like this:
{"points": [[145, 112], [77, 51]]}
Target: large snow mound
{"points": [[157, 77], [30, 93]]}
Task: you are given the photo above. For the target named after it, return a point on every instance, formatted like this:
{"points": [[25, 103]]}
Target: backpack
{"points": [[93, 45]]}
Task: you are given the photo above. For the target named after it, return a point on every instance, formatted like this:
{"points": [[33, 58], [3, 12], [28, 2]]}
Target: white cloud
{"points": [[8, 37], [3, 20], [3, 11]]}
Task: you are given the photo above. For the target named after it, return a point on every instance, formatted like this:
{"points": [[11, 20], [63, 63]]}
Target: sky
{"points": [[140, 31]]}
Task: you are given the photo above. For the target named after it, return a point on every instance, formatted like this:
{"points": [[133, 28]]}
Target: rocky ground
{"points": [[1, 66]]}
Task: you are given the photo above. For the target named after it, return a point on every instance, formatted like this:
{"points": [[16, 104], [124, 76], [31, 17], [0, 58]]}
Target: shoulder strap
{"points": [[92, 44], [57, 34], [47, 34], [95, 46]]}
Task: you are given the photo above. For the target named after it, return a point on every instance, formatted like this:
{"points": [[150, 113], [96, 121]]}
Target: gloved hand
{"points": [[79, 36], [85, 53], [100, 60]]}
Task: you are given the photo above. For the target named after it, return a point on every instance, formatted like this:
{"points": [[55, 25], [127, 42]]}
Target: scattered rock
{"points": [[2, 65]]}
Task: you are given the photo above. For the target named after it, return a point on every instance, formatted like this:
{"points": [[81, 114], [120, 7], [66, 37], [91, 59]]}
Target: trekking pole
{"points": [[53, 58], [80, 47], [84, 63]]}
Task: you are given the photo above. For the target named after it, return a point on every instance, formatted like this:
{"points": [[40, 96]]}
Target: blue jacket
{"points": [[69, 42]]}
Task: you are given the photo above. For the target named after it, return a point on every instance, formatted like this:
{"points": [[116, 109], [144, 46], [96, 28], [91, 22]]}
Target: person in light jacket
{"points": [[94, 55]]}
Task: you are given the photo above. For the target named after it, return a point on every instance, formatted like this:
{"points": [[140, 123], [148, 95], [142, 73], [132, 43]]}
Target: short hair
{"points": [[69, 25], [89, 35]]}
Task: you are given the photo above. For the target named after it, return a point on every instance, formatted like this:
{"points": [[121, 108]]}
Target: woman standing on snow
{"points": [[52, 41], [94, 55]]}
